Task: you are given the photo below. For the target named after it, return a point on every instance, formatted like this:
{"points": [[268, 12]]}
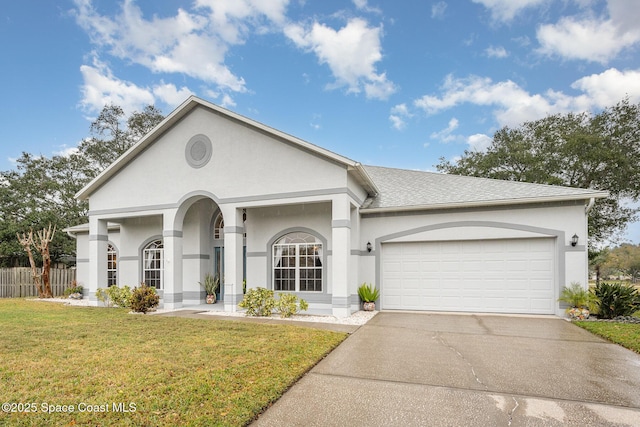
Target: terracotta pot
{"points": [[211, 299], [368, 306]]}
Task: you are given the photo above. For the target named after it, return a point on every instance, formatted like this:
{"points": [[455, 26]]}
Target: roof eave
{"points": [[487, 203]]}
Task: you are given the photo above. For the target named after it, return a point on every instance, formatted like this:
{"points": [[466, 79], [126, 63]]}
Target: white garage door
{"points": [[495, 276]]}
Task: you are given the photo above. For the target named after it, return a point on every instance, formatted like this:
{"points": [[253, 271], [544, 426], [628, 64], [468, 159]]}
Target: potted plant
{"points": [[368, 294], [210, 286], [579, 301]]}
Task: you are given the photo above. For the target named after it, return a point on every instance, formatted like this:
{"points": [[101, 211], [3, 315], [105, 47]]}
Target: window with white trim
{"points": [[112, 267], [218, 227], [153, 264], [297, 263]]}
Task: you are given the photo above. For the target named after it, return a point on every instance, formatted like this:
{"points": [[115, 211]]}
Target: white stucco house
{"points": [[211, 191]]}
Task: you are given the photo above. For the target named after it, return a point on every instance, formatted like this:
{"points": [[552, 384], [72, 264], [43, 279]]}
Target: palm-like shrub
{"points": [[576, 296], [614, 300], [368, 293]]}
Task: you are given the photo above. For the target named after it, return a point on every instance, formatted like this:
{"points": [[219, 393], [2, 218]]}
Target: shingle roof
{"points": [[402, 189]]}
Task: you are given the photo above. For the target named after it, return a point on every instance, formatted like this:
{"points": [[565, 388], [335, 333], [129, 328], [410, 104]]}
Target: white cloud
{"points": [[232, 19], [589, 40], [227, 101], [170, 94], [438, 10], [100, 87], [593, 38], [398, 116], [506, 10], [350, 52], [65, 151], [479, 142], [397, 122], [191, 43], [609, 87], [364, 6], [446, 135], [512, 105], [496, 52]]}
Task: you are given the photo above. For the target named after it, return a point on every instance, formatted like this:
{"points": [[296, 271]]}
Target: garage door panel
{"points": [[508, 275]]}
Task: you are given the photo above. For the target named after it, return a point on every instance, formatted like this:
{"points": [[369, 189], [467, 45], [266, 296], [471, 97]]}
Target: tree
{"points": [[597, 260], [625, 259], [112, 136], [41, 243], [41, 190], [599, 151]]}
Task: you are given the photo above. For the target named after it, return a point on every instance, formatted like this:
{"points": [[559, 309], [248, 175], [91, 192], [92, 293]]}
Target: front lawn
{"points": [[625, 334], [99, 362]]}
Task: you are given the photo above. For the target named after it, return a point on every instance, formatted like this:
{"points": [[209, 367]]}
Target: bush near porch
{"points": [[174, 371]]}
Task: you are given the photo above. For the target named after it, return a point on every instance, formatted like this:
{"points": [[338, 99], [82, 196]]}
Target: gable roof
{"points": [[402, 190], [194, 102]]}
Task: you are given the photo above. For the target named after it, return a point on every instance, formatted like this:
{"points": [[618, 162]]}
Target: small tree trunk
{"points": [[26, 241], [45, 237]]}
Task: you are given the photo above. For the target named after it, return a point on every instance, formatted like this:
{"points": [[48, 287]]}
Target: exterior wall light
{"points": [[369, 247], [574, 240]]}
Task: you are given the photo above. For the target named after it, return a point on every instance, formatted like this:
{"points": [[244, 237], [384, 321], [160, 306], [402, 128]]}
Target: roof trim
{"points": [[185, 108], [499, 202]]}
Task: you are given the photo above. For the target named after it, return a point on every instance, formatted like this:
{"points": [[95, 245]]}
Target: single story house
{"points": [[211, 191]]}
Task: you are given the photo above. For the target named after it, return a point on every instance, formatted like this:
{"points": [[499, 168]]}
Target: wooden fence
{"points": [[18, 282]]}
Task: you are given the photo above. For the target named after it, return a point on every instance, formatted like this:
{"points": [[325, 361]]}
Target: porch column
{"points": [[233, 257], [172, 239], [340, 255], [98, 242]]}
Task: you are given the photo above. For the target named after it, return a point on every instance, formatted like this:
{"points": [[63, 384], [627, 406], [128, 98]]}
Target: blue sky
{"points": [[396, 84]]}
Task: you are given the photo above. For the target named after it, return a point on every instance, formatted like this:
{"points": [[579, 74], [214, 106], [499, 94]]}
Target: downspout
{"points": [[73, 236], [592, 201]]}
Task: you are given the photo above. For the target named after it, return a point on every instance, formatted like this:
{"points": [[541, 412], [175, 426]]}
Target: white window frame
{"points": [[287, 256], [153, 263], [218, 227], [112, 266]]}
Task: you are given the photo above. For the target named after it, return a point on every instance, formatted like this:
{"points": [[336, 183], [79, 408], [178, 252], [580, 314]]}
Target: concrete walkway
{"points": [[422, 369]]}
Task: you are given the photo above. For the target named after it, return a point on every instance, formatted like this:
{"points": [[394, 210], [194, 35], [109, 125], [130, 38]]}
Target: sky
{"points": [[389, 83]]}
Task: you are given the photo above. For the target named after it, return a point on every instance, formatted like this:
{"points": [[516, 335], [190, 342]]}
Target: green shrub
{"points": [[287, 305], [615, 299], [578, 297], [258, 302], [144, 298], [210, 284], [114, 295], [368, 293], [73, 289]]}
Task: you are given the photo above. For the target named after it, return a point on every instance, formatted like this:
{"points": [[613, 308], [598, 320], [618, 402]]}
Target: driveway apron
{"points": [[428, 369]]}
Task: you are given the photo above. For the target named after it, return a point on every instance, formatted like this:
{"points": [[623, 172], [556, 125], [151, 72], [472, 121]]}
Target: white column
{"points": [[340, 255], [233, 257], [172, 239], [98, 242]]}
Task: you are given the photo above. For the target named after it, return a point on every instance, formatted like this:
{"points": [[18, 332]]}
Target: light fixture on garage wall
{"points": [[369, 247], [574, 240]]}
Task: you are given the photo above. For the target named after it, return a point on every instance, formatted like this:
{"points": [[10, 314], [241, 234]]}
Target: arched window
{"points": [[218, 227], [297, 263], [112, 267], [153, 264]]}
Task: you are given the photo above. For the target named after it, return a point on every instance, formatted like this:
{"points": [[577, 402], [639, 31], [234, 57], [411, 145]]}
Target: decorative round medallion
{"points": [[198, 151]]}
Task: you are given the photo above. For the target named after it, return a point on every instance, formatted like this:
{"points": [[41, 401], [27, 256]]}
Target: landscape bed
{"points": [[66, 365]]}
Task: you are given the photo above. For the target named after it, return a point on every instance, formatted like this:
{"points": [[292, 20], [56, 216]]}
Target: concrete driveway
{"points": [[424, 369]]}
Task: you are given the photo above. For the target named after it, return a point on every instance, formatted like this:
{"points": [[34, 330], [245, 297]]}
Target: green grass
{"points": [[175, 371], [625, 334]]}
